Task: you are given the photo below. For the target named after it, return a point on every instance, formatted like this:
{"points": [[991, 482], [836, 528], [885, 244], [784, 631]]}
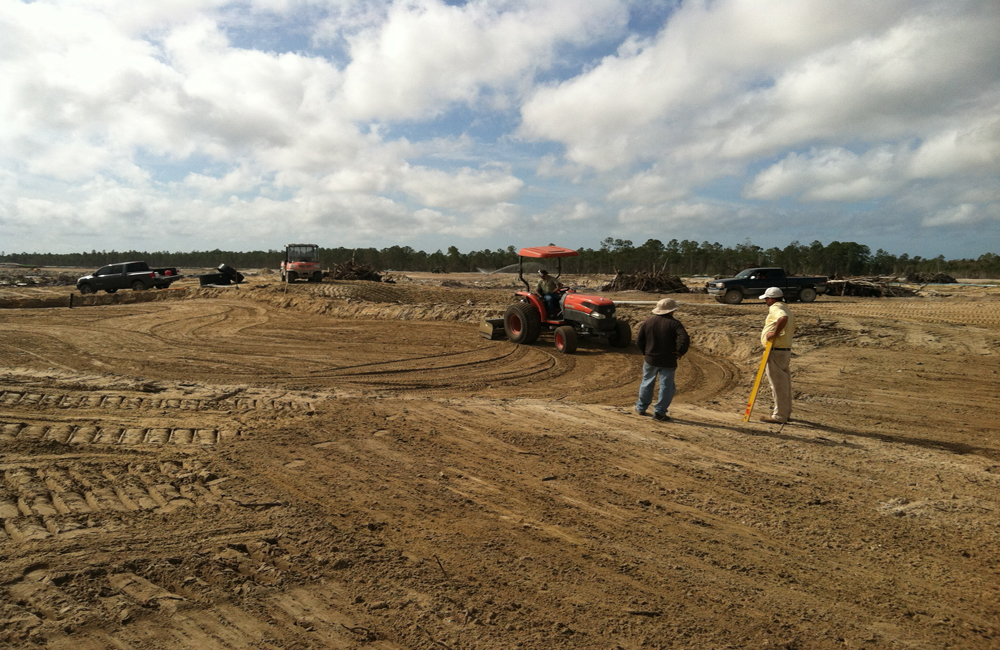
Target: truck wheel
{"points": [[733, 297], [622, 335], [110, 290], [522, 323], [807, 294], [138, 286], [292, 276], [316, 277], [86, 288], [565, 338]]}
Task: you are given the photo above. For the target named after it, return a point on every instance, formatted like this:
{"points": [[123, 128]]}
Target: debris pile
{"points": [[650, 282], [930, 278], [351, 270], [872, 287], [35, 278]]}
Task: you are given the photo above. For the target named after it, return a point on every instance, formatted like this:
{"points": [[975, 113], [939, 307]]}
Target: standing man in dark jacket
{"points": [[663, 340]]}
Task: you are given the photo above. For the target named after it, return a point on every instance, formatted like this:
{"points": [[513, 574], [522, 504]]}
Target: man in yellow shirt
{"points": [[779, 327]]}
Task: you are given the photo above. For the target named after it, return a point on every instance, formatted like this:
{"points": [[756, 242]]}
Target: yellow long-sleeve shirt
{"points": [[776, 311]]}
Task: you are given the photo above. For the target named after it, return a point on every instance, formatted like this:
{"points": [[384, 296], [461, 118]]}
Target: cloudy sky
{"points": [[198, 124]]}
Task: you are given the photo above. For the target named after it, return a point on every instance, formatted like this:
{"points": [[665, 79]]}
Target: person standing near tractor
{"points": [[548, 289], [779, 327], [663, 341]]}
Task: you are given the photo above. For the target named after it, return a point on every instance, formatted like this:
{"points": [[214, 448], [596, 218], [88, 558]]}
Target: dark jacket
{"points": [[662, 339]]}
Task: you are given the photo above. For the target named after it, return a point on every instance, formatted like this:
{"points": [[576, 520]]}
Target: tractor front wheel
{"points": [[622, 335], [565, 337], [522, 323]]}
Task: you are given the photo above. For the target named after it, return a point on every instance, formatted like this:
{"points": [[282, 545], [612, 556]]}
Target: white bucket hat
{"points": [[665, 306], [772, 292]]}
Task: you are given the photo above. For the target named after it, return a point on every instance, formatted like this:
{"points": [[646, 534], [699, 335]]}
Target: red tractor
{"points": [[580, 315]]}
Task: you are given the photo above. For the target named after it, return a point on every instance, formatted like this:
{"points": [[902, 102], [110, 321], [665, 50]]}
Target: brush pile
{"points": [[650, 282], [930, 278], [27, 277], [351, 270], [874, 287]]}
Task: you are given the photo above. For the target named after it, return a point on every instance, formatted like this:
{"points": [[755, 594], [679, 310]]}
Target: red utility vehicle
{"points": [[301, 261], [580, 315]]}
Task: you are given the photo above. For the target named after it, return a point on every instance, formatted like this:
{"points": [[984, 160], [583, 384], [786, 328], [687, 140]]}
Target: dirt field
{"points": [[349, 465]]}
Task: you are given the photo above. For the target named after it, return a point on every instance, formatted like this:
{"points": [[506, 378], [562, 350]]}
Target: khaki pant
{"points": [[781, 383]]}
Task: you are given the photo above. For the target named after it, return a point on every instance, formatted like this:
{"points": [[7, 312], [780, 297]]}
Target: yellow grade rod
{"points": [[756, 382]]}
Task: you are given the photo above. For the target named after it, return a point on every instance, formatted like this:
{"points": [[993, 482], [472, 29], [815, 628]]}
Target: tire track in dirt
{"points": [[123, 435], [57, 499], [985, 313], [706, 377], [47, 400], [236, 342]]}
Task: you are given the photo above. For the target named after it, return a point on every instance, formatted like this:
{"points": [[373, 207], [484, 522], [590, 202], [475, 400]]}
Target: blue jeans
{"points": [[667, 388], [551, 303]]}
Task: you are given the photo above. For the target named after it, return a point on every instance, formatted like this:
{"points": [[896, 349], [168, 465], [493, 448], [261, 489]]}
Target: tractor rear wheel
{"points": [[522, 323], [622, 335], [565, 337]]}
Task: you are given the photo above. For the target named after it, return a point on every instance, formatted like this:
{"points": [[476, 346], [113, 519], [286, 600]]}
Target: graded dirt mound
{"points": [[349, 465]]}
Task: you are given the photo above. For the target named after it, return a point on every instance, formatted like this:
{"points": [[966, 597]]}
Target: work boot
{"points": [[661, 417], [771, 419]]}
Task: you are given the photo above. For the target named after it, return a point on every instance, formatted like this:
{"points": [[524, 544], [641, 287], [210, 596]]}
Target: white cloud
{"points": [[635, 105], [831, 174], [964, 213], [972, 148], [572, 211], [836, 174], [648, 187], [900, 83], [428, 55], [674, 214], [467, 187]]}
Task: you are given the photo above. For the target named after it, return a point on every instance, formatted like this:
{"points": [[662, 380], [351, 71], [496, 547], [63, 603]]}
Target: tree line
{"points": [[685, 258]]}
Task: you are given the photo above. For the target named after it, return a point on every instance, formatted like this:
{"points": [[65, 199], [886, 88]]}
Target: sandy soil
{"points": [[349, 465]]}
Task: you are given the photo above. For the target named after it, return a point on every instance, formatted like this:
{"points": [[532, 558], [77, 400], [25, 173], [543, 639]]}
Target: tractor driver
{"points": [[548, 289]]}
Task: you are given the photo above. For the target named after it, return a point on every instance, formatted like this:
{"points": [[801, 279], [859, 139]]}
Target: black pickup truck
{"points": [[751, 283], [127, 275]]}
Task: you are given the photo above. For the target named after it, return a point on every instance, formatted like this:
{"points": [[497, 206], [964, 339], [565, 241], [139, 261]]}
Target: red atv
{"points": [[580, 315]]}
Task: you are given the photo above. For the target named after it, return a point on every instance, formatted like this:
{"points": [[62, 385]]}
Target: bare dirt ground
{"points": [[349, 465]]}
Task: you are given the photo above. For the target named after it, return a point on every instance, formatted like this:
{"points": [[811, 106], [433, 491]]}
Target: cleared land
{"points": [[349, 465]]}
